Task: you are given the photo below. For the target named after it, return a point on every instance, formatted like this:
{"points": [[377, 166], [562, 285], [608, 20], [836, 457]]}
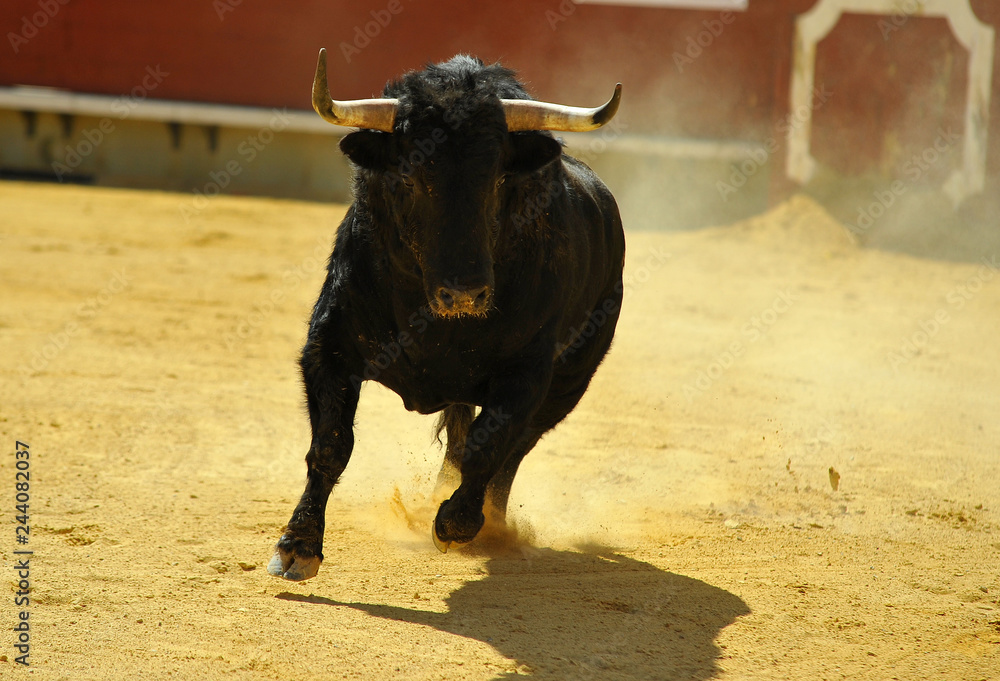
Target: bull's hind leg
{"points": [[332, 400], [455, 421]]}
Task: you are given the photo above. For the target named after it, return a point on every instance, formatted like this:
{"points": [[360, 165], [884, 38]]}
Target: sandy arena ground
{"points": [[682, 523]]}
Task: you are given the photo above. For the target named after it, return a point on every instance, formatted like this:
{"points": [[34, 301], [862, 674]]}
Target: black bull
{"points": [[477, 266]]}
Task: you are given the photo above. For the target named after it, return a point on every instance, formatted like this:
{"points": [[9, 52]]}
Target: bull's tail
{"points": [[455, 421]]}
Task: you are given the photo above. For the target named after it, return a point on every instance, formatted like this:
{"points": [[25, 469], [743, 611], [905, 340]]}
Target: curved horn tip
{"points": [[321, 90], [321, 65], [321, 62], [608, 111]]}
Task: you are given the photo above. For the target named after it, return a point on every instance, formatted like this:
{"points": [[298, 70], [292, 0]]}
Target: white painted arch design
{"points": [[975, 36]]}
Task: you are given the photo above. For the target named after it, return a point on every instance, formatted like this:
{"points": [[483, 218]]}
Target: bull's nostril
{"points": [[463, 300]]}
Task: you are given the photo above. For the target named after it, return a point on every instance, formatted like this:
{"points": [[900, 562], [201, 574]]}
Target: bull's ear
{"points": [[369, 149], [532, 151]]}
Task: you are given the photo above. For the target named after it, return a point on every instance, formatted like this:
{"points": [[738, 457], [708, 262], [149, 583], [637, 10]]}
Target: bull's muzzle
{"points": [[459, 301]]}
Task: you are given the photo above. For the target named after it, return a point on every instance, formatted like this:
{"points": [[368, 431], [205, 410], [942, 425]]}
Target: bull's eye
{"points": [[408, 181], [501, 180]]}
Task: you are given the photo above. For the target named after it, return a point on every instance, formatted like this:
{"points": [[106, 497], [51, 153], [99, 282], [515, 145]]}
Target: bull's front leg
{"points": [[332, 399], [499, 427]]}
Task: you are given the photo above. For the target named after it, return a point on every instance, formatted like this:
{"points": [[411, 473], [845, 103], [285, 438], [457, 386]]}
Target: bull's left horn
{"points": [[375, 114], [527, 114]]}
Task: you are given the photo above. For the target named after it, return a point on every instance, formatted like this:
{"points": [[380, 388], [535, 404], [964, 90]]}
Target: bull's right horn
{"points": [[529, 114], [374, 114]]}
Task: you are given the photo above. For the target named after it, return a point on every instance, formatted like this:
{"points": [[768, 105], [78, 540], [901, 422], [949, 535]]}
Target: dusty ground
{"points": [[681, 524]]}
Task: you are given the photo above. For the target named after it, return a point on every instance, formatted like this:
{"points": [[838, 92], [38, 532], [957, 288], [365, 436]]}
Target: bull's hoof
{"points": [[452, 526], [291, 566], [442, 546]]}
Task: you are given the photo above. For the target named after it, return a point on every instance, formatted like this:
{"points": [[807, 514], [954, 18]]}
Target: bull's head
{"points": [[444, 158]]}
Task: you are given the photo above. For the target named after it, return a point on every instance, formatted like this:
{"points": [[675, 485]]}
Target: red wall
{"points": [[259, 54], [737, 88]]}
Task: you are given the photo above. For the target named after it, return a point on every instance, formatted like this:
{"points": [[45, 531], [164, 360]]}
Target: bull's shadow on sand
{"points": [[592, 614]]}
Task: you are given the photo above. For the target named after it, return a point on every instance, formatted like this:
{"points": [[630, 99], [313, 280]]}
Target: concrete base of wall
{"points": [[172, 156]]}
